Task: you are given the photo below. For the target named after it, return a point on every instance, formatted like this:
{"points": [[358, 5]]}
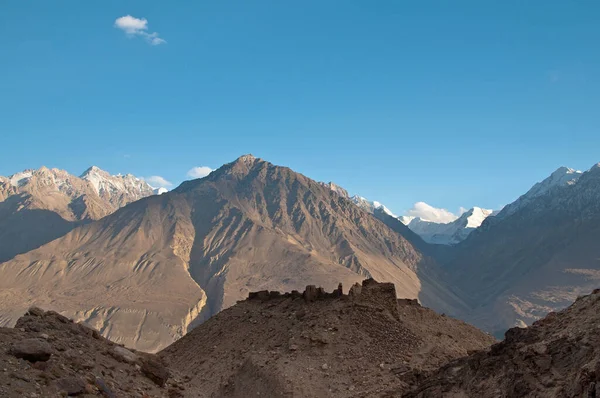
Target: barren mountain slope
{"points": [[121, 274], [318, 345], [38, 206], [557, 357], [144, 273], [533, 259]]}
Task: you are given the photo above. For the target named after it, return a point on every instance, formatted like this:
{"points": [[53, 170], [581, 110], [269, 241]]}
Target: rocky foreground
{"points": [[48, 355], [557, 357], [318, 344], [366, 343], [310, 344]]}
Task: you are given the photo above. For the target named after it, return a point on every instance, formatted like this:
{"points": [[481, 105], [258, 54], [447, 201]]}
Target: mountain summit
{"points": [[152, 270]]}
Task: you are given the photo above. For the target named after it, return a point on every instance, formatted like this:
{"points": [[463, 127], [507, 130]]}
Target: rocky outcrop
{"points": [[49, 355], [32, 350], [318, 343], [558, 356]]}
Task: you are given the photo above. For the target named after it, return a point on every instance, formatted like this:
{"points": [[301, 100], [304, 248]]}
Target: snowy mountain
{"points": [[37, 206], [450, 233], [116, 189], [432, 232], [159, 191], [365, 204], [406, 219], [371, 206], [562, 177]]}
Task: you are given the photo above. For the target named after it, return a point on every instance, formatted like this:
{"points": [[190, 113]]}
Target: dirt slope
{"points": [[318, 345], [557, 357], [154, 269]]}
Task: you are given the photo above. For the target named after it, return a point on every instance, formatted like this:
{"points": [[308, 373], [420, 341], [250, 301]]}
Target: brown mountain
{"points": [[147, 273], [558, 356], [536, 256], [38, 206], [318, 344]]}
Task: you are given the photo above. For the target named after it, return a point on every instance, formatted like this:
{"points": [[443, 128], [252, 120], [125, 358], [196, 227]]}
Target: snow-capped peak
{"points": [[91, 170], [449, 233], [115, 185], [475, 216], [561, 177], [406, 219], [380, 206], [371, 206], [159, 191], [21, 178]]}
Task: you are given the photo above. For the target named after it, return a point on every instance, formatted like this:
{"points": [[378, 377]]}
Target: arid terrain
{"points": [[309, 344], [366, 343]]}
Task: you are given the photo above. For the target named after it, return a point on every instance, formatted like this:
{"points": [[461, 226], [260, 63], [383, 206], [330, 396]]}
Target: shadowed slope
{"points": [[532, 258], [556, 357]]}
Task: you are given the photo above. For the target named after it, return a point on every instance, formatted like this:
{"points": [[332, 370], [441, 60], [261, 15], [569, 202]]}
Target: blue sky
{"points": [[452, 103]]}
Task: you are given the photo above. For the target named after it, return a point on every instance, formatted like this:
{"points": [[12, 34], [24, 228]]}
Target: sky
{"points": [[456, 104]]}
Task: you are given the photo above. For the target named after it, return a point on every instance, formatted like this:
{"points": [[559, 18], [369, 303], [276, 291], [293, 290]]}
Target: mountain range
{"points": [[153, 269], [145, 269], [38, 206]]}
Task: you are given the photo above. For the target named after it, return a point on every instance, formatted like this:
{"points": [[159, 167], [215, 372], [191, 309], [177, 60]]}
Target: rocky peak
{"points": [[560, 178], [595, 167], [473, 217], [557, 356], [20, 178], [109, 185], [93, 170], [371, 207], [336, 188], [247, 159]]}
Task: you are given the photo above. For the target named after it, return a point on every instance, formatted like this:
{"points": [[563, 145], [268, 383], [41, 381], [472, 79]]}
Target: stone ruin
{"points": [[368, 289]]}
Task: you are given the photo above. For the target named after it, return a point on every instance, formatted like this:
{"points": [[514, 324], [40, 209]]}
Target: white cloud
{"points": [[430, 213], [158, 182], [199, 172], [133, 26]]}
